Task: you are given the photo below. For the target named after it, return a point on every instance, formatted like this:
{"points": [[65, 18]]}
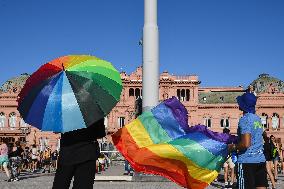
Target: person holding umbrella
{"points": [[77, 157], [72, 95]]}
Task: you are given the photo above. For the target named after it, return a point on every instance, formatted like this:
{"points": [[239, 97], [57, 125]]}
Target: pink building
{"points": [[215, 107], [12, 126]]}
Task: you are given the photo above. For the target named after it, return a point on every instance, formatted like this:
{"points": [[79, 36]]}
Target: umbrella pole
{"points": [[150, 83]]}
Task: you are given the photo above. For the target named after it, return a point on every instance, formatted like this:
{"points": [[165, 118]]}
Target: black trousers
{"points": [[252, 175], [84, 175]]}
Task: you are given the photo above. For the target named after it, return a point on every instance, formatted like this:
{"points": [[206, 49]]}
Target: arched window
{"points": [[121, 122], [46, 141], [207, 121], [12, 120], [187, 94], [178, 94], [2, 120], [131, 92], [137, 93], [225, 122], [58, 145], [106, 121], [41, 144], [23, 123], [264, 120], [275, 121], [182, 95]]}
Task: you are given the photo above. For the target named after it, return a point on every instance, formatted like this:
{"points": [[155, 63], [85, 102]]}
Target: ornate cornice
{"points": [[8, 106], [218, 106]]}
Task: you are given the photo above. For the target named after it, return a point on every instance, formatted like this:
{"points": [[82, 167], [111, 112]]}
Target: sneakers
{"points": [[125, 173], [228, 185], [16, 179]]}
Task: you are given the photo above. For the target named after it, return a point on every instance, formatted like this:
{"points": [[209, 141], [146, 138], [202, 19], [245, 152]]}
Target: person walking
{"points": [[251, 163], [16, 160], [101, 160], [275, 156], [4, 159], [29, 159], [46, 160], [25, 163], [54, 158], [282, 158], [268, 158], [229, 164], [34, 157], [79, 151]]}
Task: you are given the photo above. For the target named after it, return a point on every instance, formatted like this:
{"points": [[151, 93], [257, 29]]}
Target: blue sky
{"points": [[224, 42]]}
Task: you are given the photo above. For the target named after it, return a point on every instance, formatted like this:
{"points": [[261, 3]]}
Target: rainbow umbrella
{"points": [[69, 93]]}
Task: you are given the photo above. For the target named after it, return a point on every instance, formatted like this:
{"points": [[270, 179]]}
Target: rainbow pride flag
{"points": [[161, 142]]}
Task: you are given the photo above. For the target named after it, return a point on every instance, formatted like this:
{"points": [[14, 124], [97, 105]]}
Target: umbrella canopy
{"points": [[69, 93]]}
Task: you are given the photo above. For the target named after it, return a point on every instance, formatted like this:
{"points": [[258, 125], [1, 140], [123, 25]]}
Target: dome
{"points": [[267, 84], [14, 82]]}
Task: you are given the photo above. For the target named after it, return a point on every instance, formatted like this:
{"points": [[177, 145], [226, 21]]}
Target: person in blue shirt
{"points": [[251, 166]]}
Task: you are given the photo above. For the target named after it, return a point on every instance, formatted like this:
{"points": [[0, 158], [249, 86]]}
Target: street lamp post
{"points": [[150, 56]]}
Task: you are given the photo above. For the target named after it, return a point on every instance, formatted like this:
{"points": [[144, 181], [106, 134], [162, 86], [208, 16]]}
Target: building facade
{"points": [[12, 126], [215, 107]]}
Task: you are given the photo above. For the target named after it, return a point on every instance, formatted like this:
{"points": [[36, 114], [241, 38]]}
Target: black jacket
{"points": [[81, 145]]}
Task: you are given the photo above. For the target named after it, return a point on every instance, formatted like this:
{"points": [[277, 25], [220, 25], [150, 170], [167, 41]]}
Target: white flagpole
{"points": [[150, 56]]}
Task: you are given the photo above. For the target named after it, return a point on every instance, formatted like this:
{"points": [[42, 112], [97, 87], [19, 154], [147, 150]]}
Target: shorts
{"points": [[251, 175], [46, 162], [16, 161], [229, 163], [25, 161], [4, 160]]}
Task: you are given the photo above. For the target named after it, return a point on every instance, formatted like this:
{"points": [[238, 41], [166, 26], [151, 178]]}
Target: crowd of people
{"points": [[14, 159]]}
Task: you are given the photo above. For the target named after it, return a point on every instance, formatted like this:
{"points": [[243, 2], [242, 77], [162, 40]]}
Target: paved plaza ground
{"points": [[44, 181]]}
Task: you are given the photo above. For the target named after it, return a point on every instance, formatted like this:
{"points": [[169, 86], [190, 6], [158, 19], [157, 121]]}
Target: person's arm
{"points": [[280, 154], [278, 149], [245, 139], [244, 143]]}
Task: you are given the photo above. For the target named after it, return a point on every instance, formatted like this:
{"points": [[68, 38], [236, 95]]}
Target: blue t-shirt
{"points": [[251, 123]]}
